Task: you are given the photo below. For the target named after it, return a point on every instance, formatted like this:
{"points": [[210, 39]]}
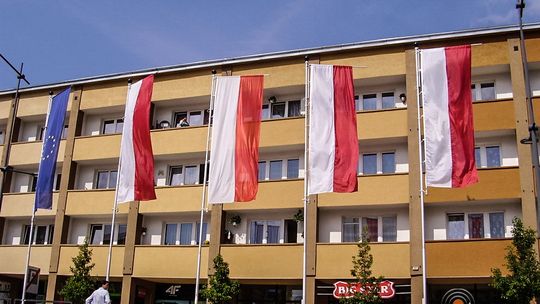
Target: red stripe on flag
{"points": [[346, 154], [142, 145], [458, 71], [248, 123]]}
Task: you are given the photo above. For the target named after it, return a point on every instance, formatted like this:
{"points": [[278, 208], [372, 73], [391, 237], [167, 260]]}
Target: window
{"points": [[186, 175], [369, 162], [265, 232], [278, 110], [496, 225], [42, 234], [351, 230], [456, 226], [40, 132], [57, 181], [2, 136], [112, 126], [282, 109], [121, 239], [175, 176], [483, 91], [369, 102], [389, 229], [371, 226], [488, 156], [191, 175], [195, 118], [389, 162], [192, 118], [183, 233], [33, 183], [377, 228], [106, 179], [476, 226], [262, 170], [276, 169], [292, 168], [388, 101], [100, 234], [65, 132], [265, 113], [294, 109]]}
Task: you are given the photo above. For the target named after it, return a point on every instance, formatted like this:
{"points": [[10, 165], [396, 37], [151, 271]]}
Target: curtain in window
{"points": [[372, 226], [176, 176], [272, 231], [121, 240], [294, 108], [476, 226], [204, 227], [389, 229], [496, 225], [191, 175], [41, 234], [185, 233], [96, 234], [170, 234], [256, 232], [456, 227], [351, 230]]}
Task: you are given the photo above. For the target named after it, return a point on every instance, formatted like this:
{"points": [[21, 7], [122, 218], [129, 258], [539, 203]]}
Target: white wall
{"points": [[13, 229], [436, 217], [155, 226], [330, 222], [79, 228], [30, 130]]}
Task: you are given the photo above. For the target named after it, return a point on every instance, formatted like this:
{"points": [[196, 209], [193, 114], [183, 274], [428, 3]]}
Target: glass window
{"points": [[119, 125], [106, 234], [478, 157], [496, 224], [112, 126], [389, 162], [191, 176], [65, 131], [256, 232], [493, 157], [175, 176], [294, 108], [33, 183], [371, 226], [369, 162], [122, 229], [262, 170], [51, 234], [96, 234], [26, 234], [388, 101], [41, 132], [389, 229], [276, 169], [170, 234], [292, 168], [206, 117], [185, 233], [112, 179], [278, 110], [2, 136], [272, 232], [202, 168], [456, 226], [487, 91], [476, 226], [369, 102], [57, 182], [357, 103], [195, 118], [180, 119], [265, 113], [204, 231], [102, 179], [473, 92], [351, 230], [41, 235]]}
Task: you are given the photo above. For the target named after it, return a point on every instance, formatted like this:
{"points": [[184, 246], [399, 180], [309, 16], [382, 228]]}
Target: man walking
{"points": [[100, 295]]}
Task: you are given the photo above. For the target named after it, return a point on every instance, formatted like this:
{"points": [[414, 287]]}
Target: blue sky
{"points": [[61, 40]]}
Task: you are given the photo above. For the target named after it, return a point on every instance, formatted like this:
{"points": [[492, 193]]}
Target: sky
{"points": [[61, 40]]}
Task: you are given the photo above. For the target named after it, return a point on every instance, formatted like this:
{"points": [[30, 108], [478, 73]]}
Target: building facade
{"points": [[155, 243]]}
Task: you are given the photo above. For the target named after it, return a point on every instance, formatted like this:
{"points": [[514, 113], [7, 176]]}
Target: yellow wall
{"points": [[13, 258], [169, 261], [92, 202], [99, 257], [28, 153], [22, 204]]}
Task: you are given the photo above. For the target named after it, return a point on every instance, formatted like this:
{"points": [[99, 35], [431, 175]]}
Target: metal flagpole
{"points": [[306, 175], [115, 206], [205, 176], [32, 220], [420, 166]]}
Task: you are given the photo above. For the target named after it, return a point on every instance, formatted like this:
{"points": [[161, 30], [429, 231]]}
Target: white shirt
{"points": [[99, 296]]}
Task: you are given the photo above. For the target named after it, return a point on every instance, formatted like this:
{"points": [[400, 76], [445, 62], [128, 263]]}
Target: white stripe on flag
{"points": [[126, 164], [322, 140], [221, 183], [437, 119]]}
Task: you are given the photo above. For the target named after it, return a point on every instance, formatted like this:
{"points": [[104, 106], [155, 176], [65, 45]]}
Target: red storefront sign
{"points": [[347, 290]]}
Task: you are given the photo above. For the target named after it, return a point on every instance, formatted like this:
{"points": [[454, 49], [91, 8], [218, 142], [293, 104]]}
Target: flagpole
{"points": [[306, 171], [421, 178], [115, 207], [203, 196], [32, 220]]}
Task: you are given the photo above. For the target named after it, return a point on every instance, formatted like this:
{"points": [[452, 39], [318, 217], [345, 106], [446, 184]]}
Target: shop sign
{"points": [[347, 290]]}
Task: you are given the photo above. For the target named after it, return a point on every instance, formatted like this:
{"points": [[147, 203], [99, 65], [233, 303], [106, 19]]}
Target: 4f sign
{"points": [[347, 290]]}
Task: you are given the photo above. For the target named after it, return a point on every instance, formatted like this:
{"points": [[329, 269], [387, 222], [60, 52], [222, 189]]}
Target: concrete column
{"points": [[526, 174], [415, 244]]}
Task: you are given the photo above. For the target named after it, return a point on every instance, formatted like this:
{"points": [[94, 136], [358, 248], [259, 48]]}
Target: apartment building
{"points": [[155, 243]]}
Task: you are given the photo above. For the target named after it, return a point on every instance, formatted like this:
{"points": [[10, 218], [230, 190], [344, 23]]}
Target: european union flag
{"points": [[49, 153]]}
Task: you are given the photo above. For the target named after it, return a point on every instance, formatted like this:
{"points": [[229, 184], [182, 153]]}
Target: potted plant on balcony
{"points": [[235, 220], [299, 216]]}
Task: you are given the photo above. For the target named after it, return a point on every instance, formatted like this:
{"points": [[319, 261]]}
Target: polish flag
{"points": [[333, 138], [448, 117], [136, 165], [234, 161]]}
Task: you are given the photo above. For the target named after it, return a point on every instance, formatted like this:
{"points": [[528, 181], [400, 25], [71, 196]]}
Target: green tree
{"points": [[522, 283], [361, 270], [221, 289], [79, 286]]}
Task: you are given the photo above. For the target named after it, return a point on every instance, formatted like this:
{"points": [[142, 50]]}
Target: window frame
{"points": [[477, 96], [483, 155], [103, 228], [360, 223], [109, 171], [116, 121], [183, 179], [486, 224], [284, 168], [286, 102], [264, 241], [379, 105], [379, 162], [49, 232], [177, 237]]}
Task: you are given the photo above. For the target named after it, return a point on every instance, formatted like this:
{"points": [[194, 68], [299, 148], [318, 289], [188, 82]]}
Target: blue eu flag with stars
{"points": [[49, 153]]}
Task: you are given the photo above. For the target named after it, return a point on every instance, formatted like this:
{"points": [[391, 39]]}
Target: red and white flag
{"points": [[448, 117], [136, 165], [234, 158], [333, 137]]}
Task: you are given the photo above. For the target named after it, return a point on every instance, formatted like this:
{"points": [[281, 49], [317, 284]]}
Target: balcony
{"points": [[291, 194], [169, 262], [99, 257], [372, 190], [494, 115], [382, 124], [28, 153], [459, 262], [334, 261], [280, 261], [92, 202], [499, 183], [13, 258], [174, 199], [22, 204]]}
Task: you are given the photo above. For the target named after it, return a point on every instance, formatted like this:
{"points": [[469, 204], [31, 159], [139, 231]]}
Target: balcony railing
{"points": [[99, 257], [169, 261], [13, 258]]}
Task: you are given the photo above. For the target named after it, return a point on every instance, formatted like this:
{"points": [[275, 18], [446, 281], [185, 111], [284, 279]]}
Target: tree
{"points": [[362, 262], [79, 286], [522, 283], [221, 289]]}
